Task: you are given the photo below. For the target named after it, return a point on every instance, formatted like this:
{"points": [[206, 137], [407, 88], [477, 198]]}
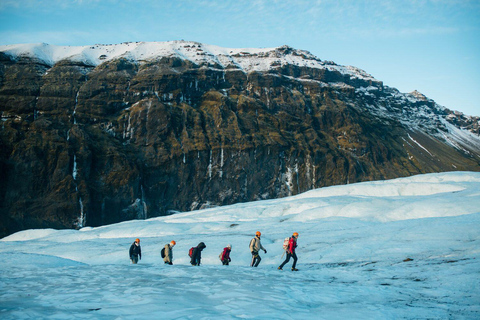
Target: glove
{"points": [[229, 260], [265, 251]]}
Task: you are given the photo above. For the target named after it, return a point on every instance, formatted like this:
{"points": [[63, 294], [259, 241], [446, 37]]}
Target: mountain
{"points": [[398, 249], [100, 134]]}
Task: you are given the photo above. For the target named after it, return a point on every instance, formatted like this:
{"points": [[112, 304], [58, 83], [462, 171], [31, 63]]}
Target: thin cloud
{"points": [[51, 5], [50, 37], [404, 32]]}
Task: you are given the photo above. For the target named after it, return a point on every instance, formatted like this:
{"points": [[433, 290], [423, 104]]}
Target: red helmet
{"points": [[295, 234], [258, 233], [137, 240], [173, 242]]}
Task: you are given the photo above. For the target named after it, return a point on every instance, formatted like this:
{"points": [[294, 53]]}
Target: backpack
{"points": [[190, 252], [252, 242], [162, 253], [220, 256], [286, 243]]}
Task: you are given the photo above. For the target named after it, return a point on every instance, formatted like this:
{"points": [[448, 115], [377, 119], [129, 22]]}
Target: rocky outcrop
{"points": [[88, 142], [470, 123]]}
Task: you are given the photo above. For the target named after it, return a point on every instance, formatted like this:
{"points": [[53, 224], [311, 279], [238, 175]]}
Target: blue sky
{"points": [[432, 46]]}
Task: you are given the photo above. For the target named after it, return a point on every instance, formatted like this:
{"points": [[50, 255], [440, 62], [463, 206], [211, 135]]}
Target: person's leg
{"points": [[294, 256], [286, 261], [258, 261], [254, 259]]}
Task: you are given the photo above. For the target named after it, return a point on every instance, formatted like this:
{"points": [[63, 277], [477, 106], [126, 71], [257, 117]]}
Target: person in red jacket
{"points": [[292, 244], [225, 256]]}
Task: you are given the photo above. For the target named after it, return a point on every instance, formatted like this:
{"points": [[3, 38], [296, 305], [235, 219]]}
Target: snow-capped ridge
{"points": [[247, 59]]}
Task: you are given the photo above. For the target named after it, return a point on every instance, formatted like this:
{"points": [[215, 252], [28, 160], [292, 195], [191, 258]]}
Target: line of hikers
{"points": [[195, 253]]}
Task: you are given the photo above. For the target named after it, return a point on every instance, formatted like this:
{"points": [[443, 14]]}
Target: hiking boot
{"points": [[279, 268], [294, 269]]}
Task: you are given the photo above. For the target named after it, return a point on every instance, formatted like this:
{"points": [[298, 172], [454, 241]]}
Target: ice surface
{"points": [[399, 249]]}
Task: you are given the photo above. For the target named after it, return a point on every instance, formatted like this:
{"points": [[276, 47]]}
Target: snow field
{"points": [[399, 249]]}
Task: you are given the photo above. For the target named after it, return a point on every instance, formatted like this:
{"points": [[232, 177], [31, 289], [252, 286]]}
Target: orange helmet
{"points": [[173, 242], [258, 233], [137, 240], [295, 234]]}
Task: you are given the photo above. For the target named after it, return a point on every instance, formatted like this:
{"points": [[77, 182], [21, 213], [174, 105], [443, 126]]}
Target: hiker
{"points": [[290, 250], [255, 246], [225, 255], [168, 253], [197, 254], [135, 251]]}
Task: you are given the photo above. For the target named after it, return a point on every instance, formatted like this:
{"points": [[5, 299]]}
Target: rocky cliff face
{"points": [[97, 135]]}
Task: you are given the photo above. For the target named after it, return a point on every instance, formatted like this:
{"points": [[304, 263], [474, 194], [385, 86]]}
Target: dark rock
{"points": [[84, 145]]}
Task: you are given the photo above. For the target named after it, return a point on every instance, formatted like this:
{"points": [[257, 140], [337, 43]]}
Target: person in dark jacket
{"points": [[135, 251], [197, 254], [292, 244], [225, 255]]}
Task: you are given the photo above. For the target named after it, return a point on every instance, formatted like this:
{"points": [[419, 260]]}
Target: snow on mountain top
{"points": [[247, 59]]}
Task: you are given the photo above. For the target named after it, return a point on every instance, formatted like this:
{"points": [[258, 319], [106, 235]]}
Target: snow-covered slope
{"points": [[400, 249], [247, 59]]}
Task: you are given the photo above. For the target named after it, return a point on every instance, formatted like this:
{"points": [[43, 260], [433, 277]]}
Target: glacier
{"points": [[398, 249]]}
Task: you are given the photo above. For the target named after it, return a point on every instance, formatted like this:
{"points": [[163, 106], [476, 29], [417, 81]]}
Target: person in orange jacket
{"points": [[292, 244]]}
